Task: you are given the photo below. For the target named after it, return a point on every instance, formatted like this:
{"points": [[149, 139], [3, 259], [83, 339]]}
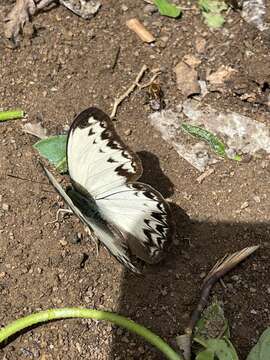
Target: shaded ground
{"points": [[53, 76]]}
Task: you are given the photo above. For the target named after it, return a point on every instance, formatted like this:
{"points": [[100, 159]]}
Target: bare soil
{"points": [[68, 66]]}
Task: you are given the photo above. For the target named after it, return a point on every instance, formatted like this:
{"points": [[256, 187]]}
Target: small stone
{"points": [[164, 39], [200, 44], [124, 7], [164, 292], [257, 199], [5, 207], [68, 35], [254, 312], [150, 9], [244, 205], [128, 132], [202, 275], [75, 238], [63, 242], [264, 164], [252, 290]]}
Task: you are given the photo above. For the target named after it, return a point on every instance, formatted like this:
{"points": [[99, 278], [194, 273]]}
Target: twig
{"points": [[156, 72], [204, 175], [60, 211], [116, 57], [222, 267], [133, 86], [25, 179]]}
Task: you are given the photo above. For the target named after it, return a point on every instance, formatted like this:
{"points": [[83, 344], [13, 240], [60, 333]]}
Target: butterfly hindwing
{"points": [[143, 217], [108, 234]]}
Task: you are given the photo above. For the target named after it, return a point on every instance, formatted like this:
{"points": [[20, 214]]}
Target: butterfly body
{"points": [[85, 202], [129, 217]]}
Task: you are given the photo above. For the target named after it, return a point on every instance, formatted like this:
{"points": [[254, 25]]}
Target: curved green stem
{"points": [[53, 314]]}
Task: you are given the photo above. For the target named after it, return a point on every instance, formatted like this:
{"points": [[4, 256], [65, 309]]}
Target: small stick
{"points": [[133, 86], [60, 211], [136, 26], [156, 72], [116, 57], [25, 179]]}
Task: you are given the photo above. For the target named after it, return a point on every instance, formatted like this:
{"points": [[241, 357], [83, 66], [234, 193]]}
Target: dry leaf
{"points": [[18, 16], [192, 61], [35, 129], [218, 78], [187, 79]]}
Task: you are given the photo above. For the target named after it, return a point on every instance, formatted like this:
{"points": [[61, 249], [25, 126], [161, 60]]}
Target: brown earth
{"points": [[67, 67]]}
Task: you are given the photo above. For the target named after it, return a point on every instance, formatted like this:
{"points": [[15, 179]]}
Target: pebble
{"points": [[63, 242], [202, 275], [5, 207], [235, 278], [124, 7], [257, 199], [149, 9], [128, 132], [244, 205]]}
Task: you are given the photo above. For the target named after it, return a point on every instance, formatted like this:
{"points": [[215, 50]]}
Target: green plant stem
{"points": [[12, 114], [53, 314]]}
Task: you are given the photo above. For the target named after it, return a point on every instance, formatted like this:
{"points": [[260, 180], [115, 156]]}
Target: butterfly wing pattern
{"points": [[129, 217]]}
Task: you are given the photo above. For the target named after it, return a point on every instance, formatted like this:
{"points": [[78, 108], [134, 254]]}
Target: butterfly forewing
{"points": [[97, 158]]}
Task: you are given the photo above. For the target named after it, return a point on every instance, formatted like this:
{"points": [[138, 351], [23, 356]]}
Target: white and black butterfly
{"points": [[128, 217]]}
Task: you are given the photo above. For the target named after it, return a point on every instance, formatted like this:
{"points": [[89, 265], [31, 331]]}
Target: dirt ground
{"points": [[67, 67]]}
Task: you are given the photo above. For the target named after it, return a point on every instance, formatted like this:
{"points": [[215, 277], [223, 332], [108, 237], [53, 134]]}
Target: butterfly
{"points": [[127, 216]]}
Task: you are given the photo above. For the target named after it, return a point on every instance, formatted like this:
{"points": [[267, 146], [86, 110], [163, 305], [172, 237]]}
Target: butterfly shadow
{"points": [[153, 175], [163, 298]]}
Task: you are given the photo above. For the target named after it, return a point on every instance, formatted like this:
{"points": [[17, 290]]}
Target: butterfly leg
{"points": [[59, 211], [94, 238]]}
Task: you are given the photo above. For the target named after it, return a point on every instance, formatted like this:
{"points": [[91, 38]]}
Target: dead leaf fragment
{"points": [[200, 44], [191, 60], [218, 78], [136, 26], [187, 79], [19, 15], [35, 129]]}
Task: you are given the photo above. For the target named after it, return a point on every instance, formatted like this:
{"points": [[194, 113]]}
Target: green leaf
{"points": [[206, 355], [211, 11], [216, 145], [54, 149], [261, 351], [212, 323], [167, 9], [222, 349], [213, 20]]}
